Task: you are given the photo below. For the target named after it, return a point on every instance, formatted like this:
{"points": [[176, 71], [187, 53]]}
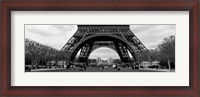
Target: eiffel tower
{"points": [[90, 37]]}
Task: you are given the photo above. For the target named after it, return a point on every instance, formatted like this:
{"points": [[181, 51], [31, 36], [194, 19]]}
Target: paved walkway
{"points": [[95, 69], [162, 70], [48, 69]]}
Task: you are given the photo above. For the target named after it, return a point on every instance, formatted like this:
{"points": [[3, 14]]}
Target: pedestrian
{"points": [[84, 67]]}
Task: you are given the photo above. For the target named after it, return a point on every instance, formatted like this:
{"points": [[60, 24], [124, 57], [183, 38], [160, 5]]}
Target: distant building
{"points": [[110, 61], [99, 61], [146, 63]]}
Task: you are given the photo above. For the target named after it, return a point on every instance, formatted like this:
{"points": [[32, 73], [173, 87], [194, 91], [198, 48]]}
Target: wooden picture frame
{"points": [[193, 90]]}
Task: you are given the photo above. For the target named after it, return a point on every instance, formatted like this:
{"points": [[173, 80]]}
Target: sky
{"points": [[56, 36]]}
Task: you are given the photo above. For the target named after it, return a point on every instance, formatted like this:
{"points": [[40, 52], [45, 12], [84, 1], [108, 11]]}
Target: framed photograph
{"points": [[139, 48]]}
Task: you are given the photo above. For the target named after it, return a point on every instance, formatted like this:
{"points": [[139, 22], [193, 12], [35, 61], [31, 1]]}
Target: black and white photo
{"points": [[100, 48]]}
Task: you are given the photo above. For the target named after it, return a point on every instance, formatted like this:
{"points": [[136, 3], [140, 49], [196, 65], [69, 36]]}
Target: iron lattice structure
{"points": [[90, 37]]}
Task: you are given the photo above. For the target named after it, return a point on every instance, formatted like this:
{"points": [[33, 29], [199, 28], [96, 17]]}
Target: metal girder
{"points": [[85, 52], [123, 39], [123, 52]]}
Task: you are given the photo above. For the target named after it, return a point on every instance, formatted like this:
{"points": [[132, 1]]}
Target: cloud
{"points": [[38, 29], [52, 35], [57, 35], [152, 35]]}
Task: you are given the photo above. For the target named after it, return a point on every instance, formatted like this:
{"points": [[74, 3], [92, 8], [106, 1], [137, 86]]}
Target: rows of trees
{"points": [[38, 54], [165, 53]]}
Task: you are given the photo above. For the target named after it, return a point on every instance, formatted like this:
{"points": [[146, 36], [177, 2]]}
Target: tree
{"points": [[165, 53], [37, 53], [167, 49], [148, 55], [143, 56]]}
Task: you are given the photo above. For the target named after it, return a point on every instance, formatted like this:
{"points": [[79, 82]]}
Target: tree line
{"points": [[165, 52], [39, 54]]}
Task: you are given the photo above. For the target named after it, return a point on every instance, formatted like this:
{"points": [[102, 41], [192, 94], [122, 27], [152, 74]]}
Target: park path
{"points": [[94, 69]]}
